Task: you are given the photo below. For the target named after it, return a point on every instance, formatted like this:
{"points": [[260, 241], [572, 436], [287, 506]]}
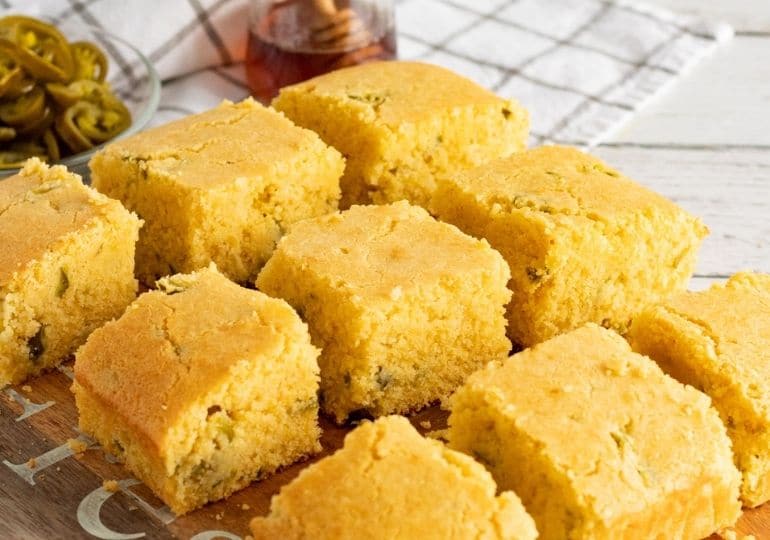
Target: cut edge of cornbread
{"points": [[234, 219], [368, 336], [499, 433], [429, 490], [51, 302], [212, 430], [690, 350], [584, 243], [402, 145]]}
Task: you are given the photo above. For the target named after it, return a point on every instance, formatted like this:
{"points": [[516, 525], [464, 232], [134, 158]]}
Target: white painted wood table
{"points": [[705, 142]]}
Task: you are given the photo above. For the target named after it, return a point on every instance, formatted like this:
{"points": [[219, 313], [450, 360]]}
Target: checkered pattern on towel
{"points": [[582, 67]]}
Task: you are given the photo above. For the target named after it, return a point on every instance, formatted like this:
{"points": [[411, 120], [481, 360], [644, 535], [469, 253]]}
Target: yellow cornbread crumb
{"points": [[111, 485], [719, 341], [584, 243], [385, 353], [404, 125], [77, 446], [389, 482], [66, 266], [32, 463], [235, 369], [218, 186], [629, 453]]}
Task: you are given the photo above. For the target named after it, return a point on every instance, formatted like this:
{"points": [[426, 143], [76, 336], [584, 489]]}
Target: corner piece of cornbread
{"points": [[218, 186], [66, 266], [719, 341], [200, 388], [404, 125], [598, 442], [584, 243], [389, 482], [403, 307]]}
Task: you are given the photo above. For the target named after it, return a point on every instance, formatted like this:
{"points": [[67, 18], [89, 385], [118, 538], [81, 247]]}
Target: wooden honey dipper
{"points": [[338, 29]]}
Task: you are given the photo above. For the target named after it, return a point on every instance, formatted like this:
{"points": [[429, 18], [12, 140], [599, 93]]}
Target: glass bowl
{"points": [[132, 78]]}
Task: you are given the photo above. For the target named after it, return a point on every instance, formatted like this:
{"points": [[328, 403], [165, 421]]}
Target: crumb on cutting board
{"points": [[111, 485], [77, 446]]}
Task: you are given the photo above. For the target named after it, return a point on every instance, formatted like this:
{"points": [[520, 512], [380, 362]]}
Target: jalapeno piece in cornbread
{"points": [[598, 442], [219, 186], [584, 243], [403, 307], [719, 341], [404, 125], [200, 387], [66, 266], [389, 482]]}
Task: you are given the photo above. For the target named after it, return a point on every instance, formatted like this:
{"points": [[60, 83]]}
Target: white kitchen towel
{"points": [[582, 67]]}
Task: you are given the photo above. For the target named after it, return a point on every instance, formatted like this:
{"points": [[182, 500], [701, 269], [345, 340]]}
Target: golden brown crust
{"points": [[719, 341], [594, 437], [402, 92], [388, 482], [215, 147], [38, 207]]}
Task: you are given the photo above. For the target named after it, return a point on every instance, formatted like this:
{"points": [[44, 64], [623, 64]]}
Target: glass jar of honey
{"points": [[293, 40]]}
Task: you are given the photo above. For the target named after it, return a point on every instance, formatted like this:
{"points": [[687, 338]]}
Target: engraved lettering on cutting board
{"points": [[30, 408], [91, 505], [212, 535], [43, 461]]}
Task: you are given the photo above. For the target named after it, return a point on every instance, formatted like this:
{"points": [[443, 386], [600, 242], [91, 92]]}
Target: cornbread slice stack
{"points": [[719, 341], [584, 243], [389, 482], [200, 387], [66, 266], [598, 442], [403, 307], [218, 186], [404, 125]]}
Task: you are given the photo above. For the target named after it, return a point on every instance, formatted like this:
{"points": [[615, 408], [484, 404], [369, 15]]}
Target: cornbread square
{"points": [[598, 442], [218, 186], [66, 266], [200, 387], [403, 307], [719, 341], [389, 482], [404, 125], [584, 243]]}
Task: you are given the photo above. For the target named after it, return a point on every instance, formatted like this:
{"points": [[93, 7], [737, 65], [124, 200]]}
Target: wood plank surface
{"points": [[724, 100], [729, 188]]}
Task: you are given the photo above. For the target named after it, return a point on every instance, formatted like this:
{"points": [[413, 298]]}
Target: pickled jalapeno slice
{"points": [[68, 126], [26, 109], [41, 49], [90, 61]]}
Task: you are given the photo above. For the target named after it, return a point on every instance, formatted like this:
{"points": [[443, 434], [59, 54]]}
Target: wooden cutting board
{"points": [[48, 491]]}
